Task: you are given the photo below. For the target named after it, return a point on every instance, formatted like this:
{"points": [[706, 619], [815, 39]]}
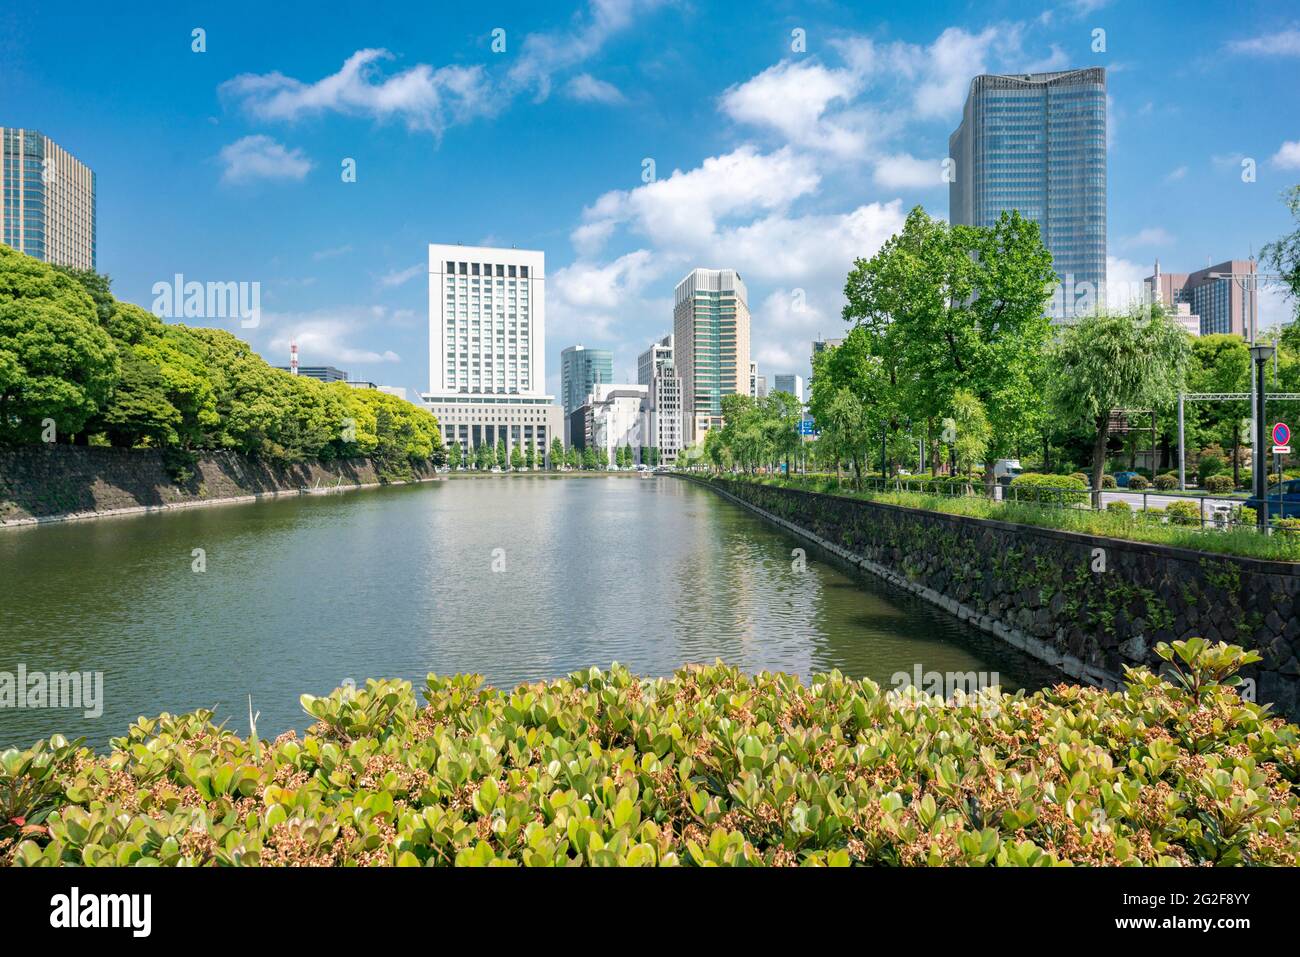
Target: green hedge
{"points": [[1037, 487], [709, 766]]}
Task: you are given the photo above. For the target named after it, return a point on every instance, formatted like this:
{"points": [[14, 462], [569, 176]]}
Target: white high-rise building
{"points": [[487, 347], [647, 361], [661, 412]]}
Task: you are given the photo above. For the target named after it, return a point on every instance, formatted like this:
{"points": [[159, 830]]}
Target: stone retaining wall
{"points": [[1084, 604], [62, 482]]}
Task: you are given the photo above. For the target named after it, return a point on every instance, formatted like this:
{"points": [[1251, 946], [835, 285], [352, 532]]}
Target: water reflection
{"points": [[516, 578]]}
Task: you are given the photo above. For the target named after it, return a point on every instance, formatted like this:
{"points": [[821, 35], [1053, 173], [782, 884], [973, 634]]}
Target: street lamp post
{"points": [[1260, 353]]}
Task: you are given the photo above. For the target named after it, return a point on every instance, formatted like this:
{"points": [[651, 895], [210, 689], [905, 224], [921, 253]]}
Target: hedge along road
{"points": [[517, 578]]}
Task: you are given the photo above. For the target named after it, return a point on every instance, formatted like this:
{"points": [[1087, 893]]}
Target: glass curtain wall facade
{"points": [[710, 345], [48, 209], [581, 370], [1036, 143]]}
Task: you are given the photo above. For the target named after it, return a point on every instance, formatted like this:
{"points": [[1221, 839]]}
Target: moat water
{"points": [[517, 578]]}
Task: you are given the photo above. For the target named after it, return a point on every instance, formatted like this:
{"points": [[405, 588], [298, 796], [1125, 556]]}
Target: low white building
{"points": [[616, 418]]}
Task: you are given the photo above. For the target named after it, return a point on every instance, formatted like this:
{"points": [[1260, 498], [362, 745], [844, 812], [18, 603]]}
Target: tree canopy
{"points": [[109, 371]]}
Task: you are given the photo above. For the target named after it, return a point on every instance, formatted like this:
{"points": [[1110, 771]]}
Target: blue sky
{"points": [[225, 165]]}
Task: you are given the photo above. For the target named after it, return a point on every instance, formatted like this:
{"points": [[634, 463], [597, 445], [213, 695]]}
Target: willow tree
{"points": [[1106, 362]]}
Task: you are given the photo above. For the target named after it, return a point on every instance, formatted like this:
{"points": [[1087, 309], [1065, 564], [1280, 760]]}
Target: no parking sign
{"points": [[1281, 438]]}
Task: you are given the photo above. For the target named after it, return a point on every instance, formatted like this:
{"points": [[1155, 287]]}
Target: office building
{"points": [[487, 347], [710, 345], [757, 383], [646, 362], [323, 373], [48, 208], [581, 370], [1218, 295], [661, 414], [1036, 142], [792, 384]]}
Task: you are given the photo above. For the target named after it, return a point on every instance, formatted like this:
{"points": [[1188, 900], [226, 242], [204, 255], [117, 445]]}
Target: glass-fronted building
{"points": [[1036, 142], [48, 208], [581, 370], [710, 345]]}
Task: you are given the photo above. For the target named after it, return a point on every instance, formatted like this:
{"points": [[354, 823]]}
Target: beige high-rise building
{"points": [[710, 345], [48, 210]]}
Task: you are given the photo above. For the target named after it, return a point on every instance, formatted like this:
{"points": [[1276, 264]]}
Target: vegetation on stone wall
{"points": [[1156, 526], [708, 767]]}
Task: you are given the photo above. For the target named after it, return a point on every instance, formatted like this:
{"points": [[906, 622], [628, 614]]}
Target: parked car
{"points": [[1121, 478], [1282, 503]]}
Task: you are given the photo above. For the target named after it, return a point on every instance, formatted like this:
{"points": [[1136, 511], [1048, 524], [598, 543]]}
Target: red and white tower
{"points": [[293, 358]]}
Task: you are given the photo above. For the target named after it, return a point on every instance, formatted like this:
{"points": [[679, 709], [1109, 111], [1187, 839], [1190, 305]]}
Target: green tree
{"points": [[971, 430], [1283, 255], [958, 307], [56, 361], [454, 456], [516, 458], [502, 455], [1110, 361], [557, 453]]}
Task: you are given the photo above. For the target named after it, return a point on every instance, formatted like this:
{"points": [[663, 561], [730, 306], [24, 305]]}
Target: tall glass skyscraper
{"points": [[581, 370], [48, 210], [710, 345], [1036, 142]]}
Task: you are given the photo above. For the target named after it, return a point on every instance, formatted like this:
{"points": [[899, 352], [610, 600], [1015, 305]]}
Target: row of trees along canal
{"points": [[950, 349], [78, 366]]}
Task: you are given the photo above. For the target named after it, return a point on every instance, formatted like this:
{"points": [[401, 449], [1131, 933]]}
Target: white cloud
{"points": [[431, 99], [904, 171], [331, 253], [1150, 236], [588, 89], [261, 157], [1277, 307], [399, 277], [948, 67], [1175, 175], [603, 302], [422, 97], [809, 249], [1288, 156], [791, 97], [544, 54], [685, 208], [1124, 282], [323, 336], [1283, 43]]}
